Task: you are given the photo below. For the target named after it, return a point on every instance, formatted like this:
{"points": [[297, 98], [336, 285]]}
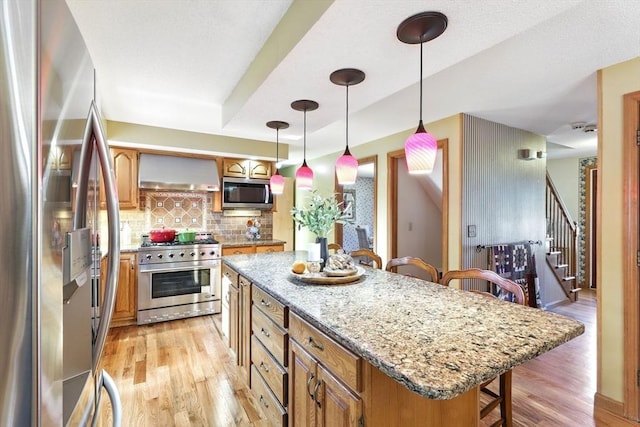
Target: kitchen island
{"points": [[425, 347]]}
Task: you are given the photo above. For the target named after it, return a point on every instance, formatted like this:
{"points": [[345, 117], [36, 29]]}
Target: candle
{"points": [[314, 252]]}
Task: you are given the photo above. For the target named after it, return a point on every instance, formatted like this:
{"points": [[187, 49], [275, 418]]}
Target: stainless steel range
{"points": [[178, 280]]}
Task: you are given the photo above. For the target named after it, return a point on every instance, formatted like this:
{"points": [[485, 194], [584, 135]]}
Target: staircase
{"points": [[562, 243]]}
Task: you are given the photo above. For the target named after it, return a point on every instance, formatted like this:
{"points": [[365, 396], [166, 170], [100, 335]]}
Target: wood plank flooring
{"points": [[180, 373]]}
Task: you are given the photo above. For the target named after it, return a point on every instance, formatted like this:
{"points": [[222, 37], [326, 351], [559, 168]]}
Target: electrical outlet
{"points": [[410, 226], [471, 231]]}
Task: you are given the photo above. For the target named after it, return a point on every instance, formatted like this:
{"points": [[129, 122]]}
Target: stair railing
{"points": [[563, 231]]}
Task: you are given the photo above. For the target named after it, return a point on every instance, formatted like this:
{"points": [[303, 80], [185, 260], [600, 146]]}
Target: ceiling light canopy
{"points": [[304, 174], [347, 165], [277, 181], [421, 147]]}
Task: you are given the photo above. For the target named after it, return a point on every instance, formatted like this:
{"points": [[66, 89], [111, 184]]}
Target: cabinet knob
{"points": [[264, 367], [265, 303]]}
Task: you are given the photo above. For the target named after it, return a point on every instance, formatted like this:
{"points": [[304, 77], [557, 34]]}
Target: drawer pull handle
{"points": [[314, 344], [265, 332], [315, 393], [311, 377], [265, 303], [264, 401], [264, 367]]}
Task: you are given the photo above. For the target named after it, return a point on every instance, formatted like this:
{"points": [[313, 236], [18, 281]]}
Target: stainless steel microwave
{"points": [[242, 193]]}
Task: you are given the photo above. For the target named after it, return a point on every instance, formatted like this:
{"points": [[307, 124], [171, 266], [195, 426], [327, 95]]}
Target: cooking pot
{"points": [[162, 235], [186, 236]]}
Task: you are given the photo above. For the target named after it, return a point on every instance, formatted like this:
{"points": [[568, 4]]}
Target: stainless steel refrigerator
{"points": [[54, 309]]}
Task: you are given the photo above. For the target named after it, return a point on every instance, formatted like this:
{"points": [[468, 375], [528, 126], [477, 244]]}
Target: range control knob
{"points": [[159, 255], [181, 254], [212, 253], [148, 256], [202, 253], [193, 254], [170, 255]]}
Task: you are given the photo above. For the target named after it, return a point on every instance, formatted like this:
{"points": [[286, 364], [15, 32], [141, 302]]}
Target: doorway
{"points": [[427, 218], [362, 197]]}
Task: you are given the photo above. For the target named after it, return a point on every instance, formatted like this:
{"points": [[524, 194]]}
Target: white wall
{"points": [[565, 176], [419, 231]]}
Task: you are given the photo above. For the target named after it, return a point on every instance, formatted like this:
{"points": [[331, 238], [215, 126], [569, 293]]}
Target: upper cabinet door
{"points": [[259, 169], [125, 167], [237, 168]]}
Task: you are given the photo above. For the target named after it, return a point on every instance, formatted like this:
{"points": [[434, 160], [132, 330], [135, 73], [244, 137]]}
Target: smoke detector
{"points": [[589, 128]]}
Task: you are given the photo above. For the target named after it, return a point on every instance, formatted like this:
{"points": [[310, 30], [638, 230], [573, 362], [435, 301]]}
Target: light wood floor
{"points": [[180, 373]]}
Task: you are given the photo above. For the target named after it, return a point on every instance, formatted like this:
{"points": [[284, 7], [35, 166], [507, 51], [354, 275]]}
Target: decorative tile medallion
{"points": [[176, 210]]}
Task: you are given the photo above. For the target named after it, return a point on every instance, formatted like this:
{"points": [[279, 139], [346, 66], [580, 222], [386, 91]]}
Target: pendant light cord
{"points": [[277, 143], [347, 119], [421, 44], [304, 152]]}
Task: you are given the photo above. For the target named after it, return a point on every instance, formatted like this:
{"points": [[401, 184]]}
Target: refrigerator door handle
{"points": [[114, 396], [93, 132]]}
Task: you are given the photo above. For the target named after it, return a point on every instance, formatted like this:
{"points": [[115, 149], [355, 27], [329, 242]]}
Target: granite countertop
{"points": [[437, 341], [245, 242]]}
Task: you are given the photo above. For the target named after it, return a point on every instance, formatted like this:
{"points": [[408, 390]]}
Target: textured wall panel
{"points": [[502, 195]]}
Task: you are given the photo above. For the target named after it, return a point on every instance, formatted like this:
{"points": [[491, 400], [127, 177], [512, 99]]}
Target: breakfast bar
{"points": [[419, 350]]}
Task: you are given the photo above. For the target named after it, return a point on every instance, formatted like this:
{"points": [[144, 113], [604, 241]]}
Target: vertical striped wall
{"points": [[502, 195]]}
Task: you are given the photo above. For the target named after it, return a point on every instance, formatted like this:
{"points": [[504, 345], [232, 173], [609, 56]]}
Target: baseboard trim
{"points": [[609, 413], [556, 304]]}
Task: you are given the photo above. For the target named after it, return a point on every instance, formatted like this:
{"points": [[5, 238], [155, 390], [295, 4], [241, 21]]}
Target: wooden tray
{"points": [[324, 279]]}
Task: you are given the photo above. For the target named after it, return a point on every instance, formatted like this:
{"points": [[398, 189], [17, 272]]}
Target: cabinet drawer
{"points": [[270, 370], [270, 405], [238, 250], [340, 361], [230, 274], [276, 311], [269, 248], [270, 335]]}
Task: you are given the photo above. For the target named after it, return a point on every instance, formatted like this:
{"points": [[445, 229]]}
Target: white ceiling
{"points": [[529, 64]]}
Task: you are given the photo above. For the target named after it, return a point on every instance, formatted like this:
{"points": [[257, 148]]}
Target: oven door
{"points": [[178, 283]]}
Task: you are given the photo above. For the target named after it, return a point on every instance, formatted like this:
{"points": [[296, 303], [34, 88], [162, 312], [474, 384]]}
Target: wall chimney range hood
{"points": [[172, 173]]}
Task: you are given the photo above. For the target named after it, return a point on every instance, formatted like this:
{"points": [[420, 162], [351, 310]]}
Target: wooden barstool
{"points": [[334, 247], [366, 253], [503, 397], [394, 263]]}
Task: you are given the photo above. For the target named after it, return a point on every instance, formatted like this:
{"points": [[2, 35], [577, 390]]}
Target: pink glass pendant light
{"points": [[347, 165], [421, 147], [277, 181], [304, 174]]}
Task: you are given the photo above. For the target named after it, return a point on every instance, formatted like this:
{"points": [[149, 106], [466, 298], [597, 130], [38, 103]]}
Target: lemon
{"points": [[298, 267]]}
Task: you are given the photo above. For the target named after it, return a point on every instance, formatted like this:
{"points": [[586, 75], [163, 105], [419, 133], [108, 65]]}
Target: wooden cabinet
{"points": [[317, 397], [269, 354], [324, 379], [259, 169], [269, 249], [244, 328], [252, 249], [238, 250], [241, 168], [125, 309], [125, 168], [60, 157], [233, 297]]}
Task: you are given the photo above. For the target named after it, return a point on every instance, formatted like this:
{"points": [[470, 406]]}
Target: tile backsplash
{"points": [[181, 210]]}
